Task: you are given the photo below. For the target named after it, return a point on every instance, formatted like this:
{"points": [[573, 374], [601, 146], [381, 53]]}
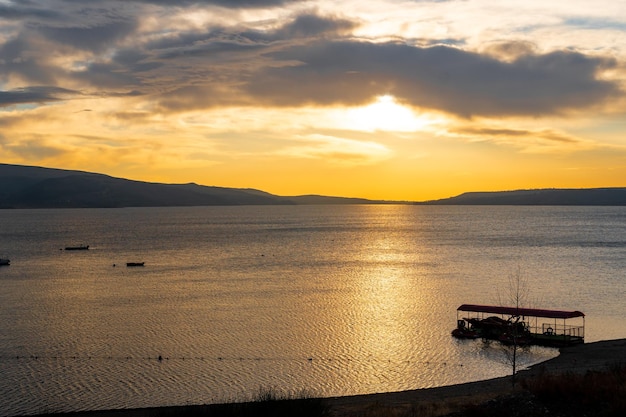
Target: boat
{"points": [[135, 263], [465, 331], [521, 326], [79, 247], [5, 261]]}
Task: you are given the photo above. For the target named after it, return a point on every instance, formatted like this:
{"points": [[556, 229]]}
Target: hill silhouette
{"points": [[37, 187], [543, 197]]}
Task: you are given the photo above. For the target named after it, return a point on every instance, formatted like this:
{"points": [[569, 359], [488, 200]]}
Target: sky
{"points": [[384, 99]]}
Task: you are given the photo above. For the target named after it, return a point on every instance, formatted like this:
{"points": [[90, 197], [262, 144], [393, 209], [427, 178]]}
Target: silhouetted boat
{"points": [[5, 262], [520, 326], [79, 247], [135, 263]]}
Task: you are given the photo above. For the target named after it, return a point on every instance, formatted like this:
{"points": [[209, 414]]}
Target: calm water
{"points": [[319, 299]]}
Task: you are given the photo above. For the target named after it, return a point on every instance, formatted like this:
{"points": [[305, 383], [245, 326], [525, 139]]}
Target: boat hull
{"points": [[465, 334]]}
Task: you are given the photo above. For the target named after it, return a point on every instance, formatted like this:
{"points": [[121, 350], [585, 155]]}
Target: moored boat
{"points": [[135, 263], [521, 326], [78, 247], [5, 261]]}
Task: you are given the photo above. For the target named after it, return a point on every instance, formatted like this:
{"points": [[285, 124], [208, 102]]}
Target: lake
{"points": [[315, 300]]}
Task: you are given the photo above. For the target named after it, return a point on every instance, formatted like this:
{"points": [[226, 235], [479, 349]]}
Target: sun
{"points": [[384, 114]]}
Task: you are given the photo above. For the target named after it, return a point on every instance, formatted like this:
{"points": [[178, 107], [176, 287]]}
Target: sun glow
{"points": [[385, 114]]}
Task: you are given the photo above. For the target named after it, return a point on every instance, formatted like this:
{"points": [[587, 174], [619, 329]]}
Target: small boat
{"points": [[5, 261], [135, 263], [79, 247]]}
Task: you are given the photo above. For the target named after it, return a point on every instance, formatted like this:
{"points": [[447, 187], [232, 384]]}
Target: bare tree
{"points": [[518, 297], [518, 293]]}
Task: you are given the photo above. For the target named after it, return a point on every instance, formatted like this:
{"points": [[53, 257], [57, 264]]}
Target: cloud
{"points": [[24, 57], [217, 62], [214, 46], [222, 3], [442, 78], [21, 8], [22, 11], [231, 40], [35, 94], [196, 97], [90, 37], [112, 75], [550, 135], [33, 148], [338, 151], [527, 140], [595, 23], [510, 50], [311, 25]]}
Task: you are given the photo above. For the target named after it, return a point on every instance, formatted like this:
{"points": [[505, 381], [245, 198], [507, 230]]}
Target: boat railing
{"points": [[562, 330]]}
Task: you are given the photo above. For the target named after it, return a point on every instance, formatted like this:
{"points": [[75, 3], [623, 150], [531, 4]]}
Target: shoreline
{"points": [[581, 358]]}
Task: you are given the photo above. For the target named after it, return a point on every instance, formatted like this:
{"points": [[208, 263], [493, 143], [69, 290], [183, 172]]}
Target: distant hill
{"points": [[543, 197], [36, 187]]}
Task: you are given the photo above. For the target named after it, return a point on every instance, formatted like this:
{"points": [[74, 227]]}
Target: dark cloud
{"points": [[107, 75], [41, 32], [38, 94], [91, 37], [491, 131], [312, 25], [229, 58], [132, 93], [232, 4], [545, 134], [123, 71], [222, 39], [135, 60], [24, 10], [441, 77], [212, 48], [24, 56]]}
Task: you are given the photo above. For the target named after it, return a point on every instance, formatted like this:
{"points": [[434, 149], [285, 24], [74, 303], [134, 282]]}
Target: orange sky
{"points": [[398, 100]]}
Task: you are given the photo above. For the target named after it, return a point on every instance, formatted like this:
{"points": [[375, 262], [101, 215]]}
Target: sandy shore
{"points": [[580, 358]]}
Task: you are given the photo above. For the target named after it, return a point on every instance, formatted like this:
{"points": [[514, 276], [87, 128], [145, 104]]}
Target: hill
{"points": [[36, 187], [543, 197]]}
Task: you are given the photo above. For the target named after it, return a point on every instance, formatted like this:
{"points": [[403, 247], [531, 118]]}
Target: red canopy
{"points": [[515, 311]]}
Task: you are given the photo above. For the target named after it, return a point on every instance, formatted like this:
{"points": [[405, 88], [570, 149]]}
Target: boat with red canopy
{"points": [[520, 325]]}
